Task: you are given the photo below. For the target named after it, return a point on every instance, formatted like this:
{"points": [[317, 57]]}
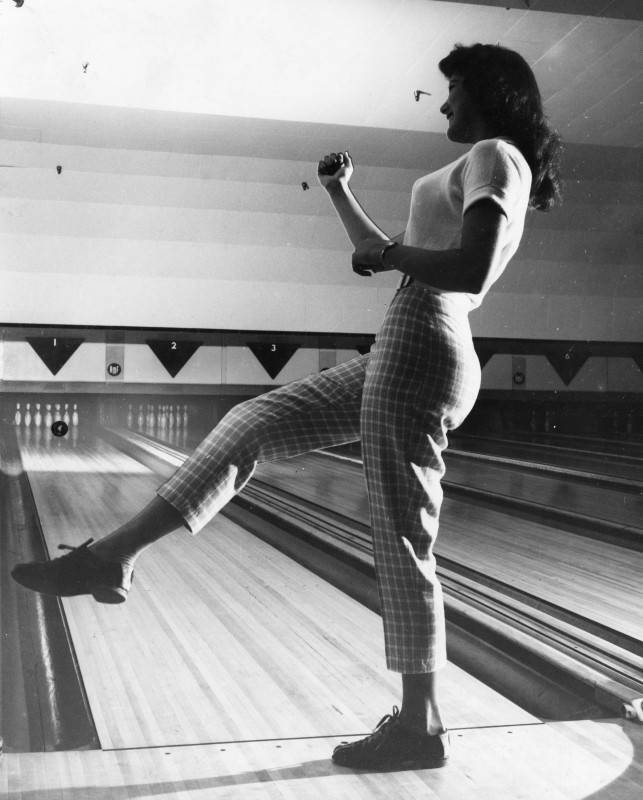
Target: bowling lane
{"points": [[557, 761], [595, 579], [223, 638], [558, 451], [551, 488]]}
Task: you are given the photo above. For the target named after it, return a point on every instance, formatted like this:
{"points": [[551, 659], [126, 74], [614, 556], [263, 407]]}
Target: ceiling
{"points": [[349, 63]]}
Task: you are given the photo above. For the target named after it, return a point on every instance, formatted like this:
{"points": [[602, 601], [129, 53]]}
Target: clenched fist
{"points": [[334, 168]]}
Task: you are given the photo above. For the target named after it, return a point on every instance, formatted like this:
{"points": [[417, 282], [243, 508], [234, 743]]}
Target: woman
{"points": [[420, 380]]}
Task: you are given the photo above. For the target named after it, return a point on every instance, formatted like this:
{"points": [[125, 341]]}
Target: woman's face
{"points": [[465, 122]]}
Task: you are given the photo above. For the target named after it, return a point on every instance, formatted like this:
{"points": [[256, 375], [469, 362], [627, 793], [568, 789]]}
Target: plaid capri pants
{"points": [[420, 379]]}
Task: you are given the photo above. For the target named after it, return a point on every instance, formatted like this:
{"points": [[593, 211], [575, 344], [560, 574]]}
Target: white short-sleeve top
{"points": [[492, 169]]}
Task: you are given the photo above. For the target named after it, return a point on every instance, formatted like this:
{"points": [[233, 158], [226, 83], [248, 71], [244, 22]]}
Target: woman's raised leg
{"points": [[320, 410]]}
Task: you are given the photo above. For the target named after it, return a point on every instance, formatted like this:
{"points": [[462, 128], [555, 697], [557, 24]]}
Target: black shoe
{"points": [[78, 572], [394, 746]]}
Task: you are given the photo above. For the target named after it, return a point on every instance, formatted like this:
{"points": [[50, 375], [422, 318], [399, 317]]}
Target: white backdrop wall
{"points": [[167, 220]]}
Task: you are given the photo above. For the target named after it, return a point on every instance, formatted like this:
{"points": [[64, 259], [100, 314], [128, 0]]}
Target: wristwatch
{"points": [[371, 258], [383, 249]]}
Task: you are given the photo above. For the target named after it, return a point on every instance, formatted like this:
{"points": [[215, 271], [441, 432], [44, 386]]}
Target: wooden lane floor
{"points": [[609, 504], [625, 445], [595, 579], [232, 672], [556, 761], [593, 496], [584, 455], [602, 470], [223, 638]]}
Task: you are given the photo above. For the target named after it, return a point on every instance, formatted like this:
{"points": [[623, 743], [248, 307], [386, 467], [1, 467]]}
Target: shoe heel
{"points": [[109, 594]]}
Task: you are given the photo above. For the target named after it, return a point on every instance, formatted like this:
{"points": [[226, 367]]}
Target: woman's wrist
{"points": [[387, 259], [337, 188], [369, 255]]}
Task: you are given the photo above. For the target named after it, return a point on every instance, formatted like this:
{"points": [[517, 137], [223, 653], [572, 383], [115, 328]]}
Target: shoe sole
{"points": [[102, 594], [109, 594], [392, 766]]}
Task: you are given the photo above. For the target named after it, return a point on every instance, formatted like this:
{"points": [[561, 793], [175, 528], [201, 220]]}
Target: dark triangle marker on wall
{"points": [[273, 357], [567, 360], [54, 351], [172, 353]]}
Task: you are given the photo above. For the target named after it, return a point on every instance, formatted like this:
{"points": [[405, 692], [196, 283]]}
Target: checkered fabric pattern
{"points": [[318, 411], [420, 379]]}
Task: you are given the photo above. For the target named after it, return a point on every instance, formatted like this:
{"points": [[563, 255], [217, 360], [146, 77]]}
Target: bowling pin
{"points": [[140, 421], [66, 416], [18, 415], [185, 416], [37, 419], [74, 415], [49, 420], [28, 416], [48, 436], [130, 416]]}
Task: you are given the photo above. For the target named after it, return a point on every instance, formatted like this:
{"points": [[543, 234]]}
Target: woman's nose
{"points": [[443, 108]]}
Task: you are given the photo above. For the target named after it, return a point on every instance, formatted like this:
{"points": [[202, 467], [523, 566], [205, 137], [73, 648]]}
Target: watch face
{"points": [[386, 247]]}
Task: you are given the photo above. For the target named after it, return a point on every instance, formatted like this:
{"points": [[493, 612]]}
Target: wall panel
{"points": [[197, 235]]}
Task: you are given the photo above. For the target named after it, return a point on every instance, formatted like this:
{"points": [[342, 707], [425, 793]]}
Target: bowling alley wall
{"points": [[121, 228]]}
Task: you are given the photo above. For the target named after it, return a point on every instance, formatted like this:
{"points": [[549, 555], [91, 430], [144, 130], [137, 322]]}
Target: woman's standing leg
{"points": [[422, 380]]}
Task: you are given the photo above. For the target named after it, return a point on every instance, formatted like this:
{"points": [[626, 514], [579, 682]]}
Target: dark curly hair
{"points": [[505, 91]]}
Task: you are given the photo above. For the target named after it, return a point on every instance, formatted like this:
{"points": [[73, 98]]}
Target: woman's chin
{"points": [[460, 137]]}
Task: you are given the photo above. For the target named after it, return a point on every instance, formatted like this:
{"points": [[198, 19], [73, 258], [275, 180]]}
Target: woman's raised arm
{"points": [[357, 224]]}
